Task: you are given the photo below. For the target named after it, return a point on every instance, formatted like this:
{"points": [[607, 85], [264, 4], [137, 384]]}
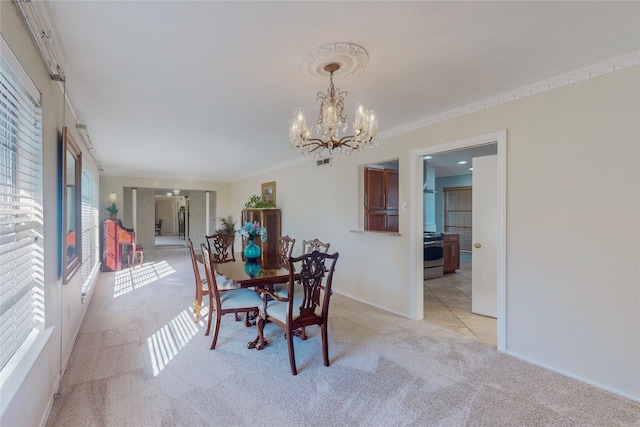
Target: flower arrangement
{"points": [[252, 230]]}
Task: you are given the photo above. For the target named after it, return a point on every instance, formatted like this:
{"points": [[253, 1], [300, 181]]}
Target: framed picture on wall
{"points": [[269, 192]]}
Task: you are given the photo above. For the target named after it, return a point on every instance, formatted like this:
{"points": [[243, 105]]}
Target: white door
{"points": [[484, 271]]}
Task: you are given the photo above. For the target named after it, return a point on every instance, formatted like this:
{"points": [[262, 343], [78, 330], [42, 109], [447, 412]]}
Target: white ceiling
{"points": [[205, 90], [450, 163]]}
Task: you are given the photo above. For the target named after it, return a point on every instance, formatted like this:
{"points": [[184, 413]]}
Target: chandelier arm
{"points": [[345, 140], [318, 146], [313, 141]]}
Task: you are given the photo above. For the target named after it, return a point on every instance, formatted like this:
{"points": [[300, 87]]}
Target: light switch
{"points": [[404, 206]]}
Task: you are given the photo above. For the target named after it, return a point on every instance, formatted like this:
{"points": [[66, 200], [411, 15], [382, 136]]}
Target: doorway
{"points": [[170, 219], [420, 215], [450, 298]]}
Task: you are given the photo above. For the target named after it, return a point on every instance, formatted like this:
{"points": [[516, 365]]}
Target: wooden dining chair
{"points": [[220, 246], [301, 309], [202, 287], [309, 246], [241, 300], [201, 283], [285, 249]]}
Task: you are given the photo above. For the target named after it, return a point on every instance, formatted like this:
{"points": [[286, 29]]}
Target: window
{"points": [[458, 214], [90, 231], [21, 213]]}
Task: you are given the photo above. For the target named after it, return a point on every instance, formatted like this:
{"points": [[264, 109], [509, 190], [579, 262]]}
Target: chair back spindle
{"points": [[309, 246], [220, 247], [285, 249]]}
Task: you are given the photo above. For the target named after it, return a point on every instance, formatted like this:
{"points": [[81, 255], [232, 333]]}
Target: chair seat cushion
{"points": [[280, 289], [278, 309], [240, 298], [224, 284]]}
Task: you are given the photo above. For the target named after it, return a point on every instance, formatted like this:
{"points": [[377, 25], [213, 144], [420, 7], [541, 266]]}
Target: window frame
{"points": [[463, 230], [71, 205]]}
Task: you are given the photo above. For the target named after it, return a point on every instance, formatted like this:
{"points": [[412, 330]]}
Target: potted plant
{"points": [[113, 210], [256, 202], [228, 226]]}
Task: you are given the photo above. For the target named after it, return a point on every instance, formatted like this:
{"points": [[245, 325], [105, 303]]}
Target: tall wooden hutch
{"points": [[268, 218]]}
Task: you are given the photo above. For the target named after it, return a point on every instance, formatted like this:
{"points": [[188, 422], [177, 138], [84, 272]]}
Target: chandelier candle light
{"points": [[331, 120]]}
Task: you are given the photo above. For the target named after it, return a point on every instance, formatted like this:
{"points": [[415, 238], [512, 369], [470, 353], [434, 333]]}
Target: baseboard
{"points": [[575, 376], [47, 412], [406, 315]]}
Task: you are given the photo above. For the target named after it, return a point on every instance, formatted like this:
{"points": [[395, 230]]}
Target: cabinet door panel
{"points": [[271, 221], [392, 222], [376, 221], [375, 189], [392, 190]]}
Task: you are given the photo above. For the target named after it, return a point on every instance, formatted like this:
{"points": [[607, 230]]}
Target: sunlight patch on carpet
{"points": [[167, 342], [132, 278]]}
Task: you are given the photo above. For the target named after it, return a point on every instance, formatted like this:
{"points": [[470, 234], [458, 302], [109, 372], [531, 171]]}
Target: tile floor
{"points": [[447, 303]]}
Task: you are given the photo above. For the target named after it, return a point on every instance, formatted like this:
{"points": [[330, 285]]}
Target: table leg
{"points": [[259, 343]]}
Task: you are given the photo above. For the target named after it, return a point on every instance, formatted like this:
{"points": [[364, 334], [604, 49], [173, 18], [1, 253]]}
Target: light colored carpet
{"points": [[140, 360], [170, 241]]}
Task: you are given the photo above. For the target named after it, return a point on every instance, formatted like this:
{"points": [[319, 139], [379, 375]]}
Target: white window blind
{"points": [[90, 228], [21, 213]]}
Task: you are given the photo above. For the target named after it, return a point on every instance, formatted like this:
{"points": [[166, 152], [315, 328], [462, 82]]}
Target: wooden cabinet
{"points": [[269, 219], [381, 199], [451, 249]]}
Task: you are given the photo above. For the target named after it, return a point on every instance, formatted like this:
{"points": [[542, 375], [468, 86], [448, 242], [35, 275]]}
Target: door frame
{"points": [[416, 222]]}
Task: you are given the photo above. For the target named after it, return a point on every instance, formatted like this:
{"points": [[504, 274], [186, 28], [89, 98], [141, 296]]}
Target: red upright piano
{"points": [[114, 237]]}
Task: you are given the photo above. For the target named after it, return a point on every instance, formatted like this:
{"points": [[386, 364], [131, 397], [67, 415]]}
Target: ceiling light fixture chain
{"points": [[331, 121]]}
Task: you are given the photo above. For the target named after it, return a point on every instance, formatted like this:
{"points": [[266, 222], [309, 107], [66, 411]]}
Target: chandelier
{"points": [[330, 122]]}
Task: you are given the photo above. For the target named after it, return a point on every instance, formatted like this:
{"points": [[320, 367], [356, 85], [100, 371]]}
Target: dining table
{"points": [[252, 274]]}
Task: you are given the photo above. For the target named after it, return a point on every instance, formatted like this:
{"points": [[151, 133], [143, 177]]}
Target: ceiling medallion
{"points": [[330, 59], [350, 57]]}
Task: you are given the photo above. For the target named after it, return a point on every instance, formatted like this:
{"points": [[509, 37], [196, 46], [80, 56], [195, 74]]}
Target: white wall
{"points": [[573, 186], [29, 400]]}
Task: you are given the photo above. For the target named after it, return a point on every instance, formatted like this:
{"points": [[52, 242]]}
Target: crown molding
{"points": [[596, 70]]}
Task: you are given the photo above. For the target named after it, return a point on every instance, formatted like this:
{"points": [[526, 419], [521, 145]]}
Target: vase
{"points": [[113, 216], [252, 268], [252, 252]]}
